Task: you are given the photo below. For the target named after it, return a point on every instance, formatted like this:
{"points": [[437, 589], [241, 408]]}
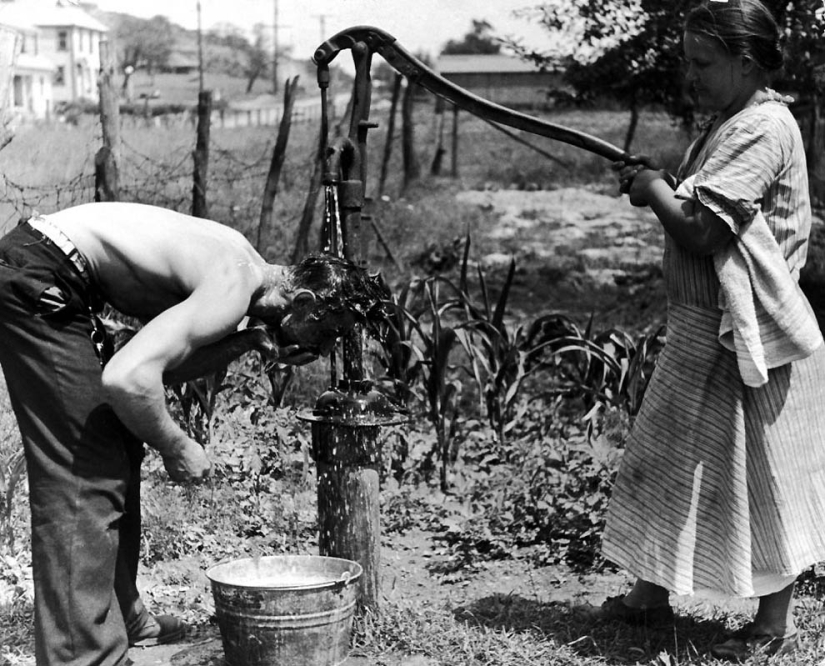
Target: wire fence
{"points": [[156, 167]]}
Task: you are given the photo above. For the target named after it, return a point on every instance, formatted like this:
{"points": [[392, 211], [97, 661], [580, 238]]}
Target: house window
{"points": [[18, 91], [62, 40], [60, 76]]}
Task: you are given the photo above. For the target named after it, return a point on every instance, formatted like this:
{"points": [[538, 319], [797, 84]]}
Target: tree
{"points": [[251, 59], [627, 50], [257, 56], [143, 43], [630, 50], [478, 40], [804, 24]]}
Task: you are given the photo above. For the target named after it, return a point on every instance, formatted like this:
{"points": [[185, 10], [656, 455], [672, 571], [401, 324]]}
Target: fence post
{"points": [[454, 157], [9, 47], [107, 159], [201, 155], [277, 163], [396, 93], [435, 167], [412, 170]]}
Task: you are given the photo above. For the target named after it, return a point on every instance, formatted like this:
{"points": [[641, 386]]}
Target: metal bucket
{"points": [[285, 610]]}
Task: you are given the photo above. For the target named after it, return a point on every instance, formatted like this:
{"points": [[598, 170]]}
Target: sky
{"points": [[418, 25]]}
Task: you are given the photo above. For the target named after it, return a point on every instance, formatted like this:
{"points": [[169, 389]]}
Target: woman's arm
{"points": [[691, 224]]}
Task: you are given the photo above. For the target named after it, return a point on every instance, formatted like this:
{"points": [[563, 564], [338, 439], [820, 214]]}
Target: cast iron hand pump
{"points": [[347, 418]]}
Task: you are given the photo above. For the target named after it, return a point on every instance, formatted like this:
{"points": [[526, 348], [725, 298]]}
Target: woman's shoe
{"points": [[746, 643], [614, 608]]}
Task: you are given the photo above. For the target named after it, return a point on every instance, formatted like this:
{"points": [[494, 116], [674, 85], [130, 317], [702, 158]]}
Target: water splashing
{"points": [[333, 236]]}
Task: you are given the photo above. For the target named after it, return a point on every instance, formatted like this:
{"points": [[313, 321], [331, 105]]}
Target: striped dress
{"points": [[721, 488]]}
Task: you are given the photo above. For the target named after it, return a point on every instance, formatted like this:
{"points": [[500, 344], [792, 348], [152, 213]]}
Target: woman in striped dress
{"points": [[722, 485]]}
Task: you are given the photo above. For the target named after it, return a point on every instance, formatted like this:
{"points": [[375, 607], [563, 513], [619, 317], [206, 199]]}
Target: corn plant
{"points": [[12, 475], [608, 370], [401, 371], [196, 400], [498, 358], [500, 352], [419, 345], [12, 471]]}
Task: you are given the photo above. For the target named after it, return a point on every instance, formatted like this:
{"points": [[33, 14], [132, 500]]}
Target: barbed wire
{"points": [[236, 175]]}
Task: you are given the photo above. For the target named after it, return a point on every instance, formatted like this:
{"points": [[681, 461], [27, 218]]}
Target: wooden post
{"points": [[301, 246], [412, 170], [9, 47], [454, 168], [348, 460], [107, 159], [435, 167], [277, 163], [396, 93], [201, 155], [814, 150]]}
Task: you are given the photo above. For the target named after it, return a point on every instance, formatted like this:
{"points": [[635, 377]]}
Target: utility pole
{"points": [[200, 50], [322, 20], [275, 55]]}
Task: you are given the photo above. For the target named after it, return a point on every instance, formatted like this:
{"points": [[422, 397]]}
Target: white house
{"points": [[61, 38]]}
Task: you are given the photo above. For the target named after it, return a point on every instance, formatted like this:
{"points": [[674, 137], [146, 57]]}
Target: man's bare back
{"points": [[192, 282], [146, 259]]}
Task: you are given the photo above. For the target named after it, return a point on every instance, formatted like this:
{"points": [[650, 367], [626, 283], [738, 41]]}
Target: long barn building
{"points": [[502, 79]]}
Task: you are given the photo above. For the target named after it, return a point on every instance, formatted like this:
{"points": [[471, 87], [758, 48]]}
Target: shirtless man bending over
{"points": [[84, 417]]}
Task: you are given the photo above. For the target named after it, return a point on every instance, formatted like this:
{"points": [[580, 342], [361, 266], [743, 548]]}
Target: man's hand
{"points": [[296, 355], [189, 465], [289, 355]]}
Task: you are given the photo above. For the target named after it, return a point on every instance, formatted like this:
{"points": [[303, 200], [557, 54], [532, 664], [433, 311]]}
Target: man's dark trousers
{"points": [[83, 464]]}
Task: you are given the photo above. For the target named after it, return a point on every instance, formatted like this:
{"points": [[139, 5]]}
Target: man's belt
{"points": [[64, 244]]}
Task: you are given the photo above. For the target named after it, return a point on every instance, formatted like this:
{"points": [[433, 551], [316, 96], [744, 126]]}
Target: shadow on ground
{"points": [[579, 628]]}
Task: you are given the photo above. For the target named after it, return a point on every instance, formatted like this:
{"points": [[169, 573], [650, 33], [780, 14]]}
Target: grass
{"points": [[50, 167], [506, 630]]}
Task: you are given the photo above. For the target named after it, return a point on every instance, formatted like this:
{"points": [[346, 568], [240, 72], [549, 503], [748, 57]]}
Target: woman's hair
{"points": [[744, 27], [339, 285]]}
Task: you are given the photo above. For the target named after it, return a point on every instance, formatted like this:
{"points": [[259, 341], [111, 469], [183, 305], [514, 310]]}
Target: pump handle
{"points": [[416, 71]]}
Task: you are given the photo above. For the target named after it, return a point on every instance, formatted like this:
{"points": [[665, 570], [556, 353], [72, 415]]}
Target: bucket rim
{"points": [[346, 578]]}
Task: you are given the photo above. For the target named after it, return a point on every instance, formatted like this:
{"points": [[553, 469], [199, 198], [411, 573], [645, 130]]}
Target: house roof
{"points": [[47, 13], [482, 64], [179, 59]]}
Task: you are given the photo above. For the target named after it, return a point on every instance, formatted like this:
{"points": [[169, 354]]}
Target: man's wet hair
{"points": [[339, 285]]}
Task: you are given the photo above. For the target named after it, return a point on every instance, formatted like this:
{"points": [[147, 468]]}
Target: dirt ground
{"points": [[405, 580], [577, 251]]}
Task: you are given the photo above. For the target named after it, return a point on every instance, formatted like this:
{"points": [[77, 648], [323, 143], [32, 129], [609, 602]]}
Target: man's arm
{"points": [[211, 358], [133, 378]]}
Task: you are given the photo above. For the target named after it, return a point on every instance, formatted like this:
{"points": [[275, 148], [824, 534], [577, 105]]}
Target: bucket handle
{"points": [[345, 577]]}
